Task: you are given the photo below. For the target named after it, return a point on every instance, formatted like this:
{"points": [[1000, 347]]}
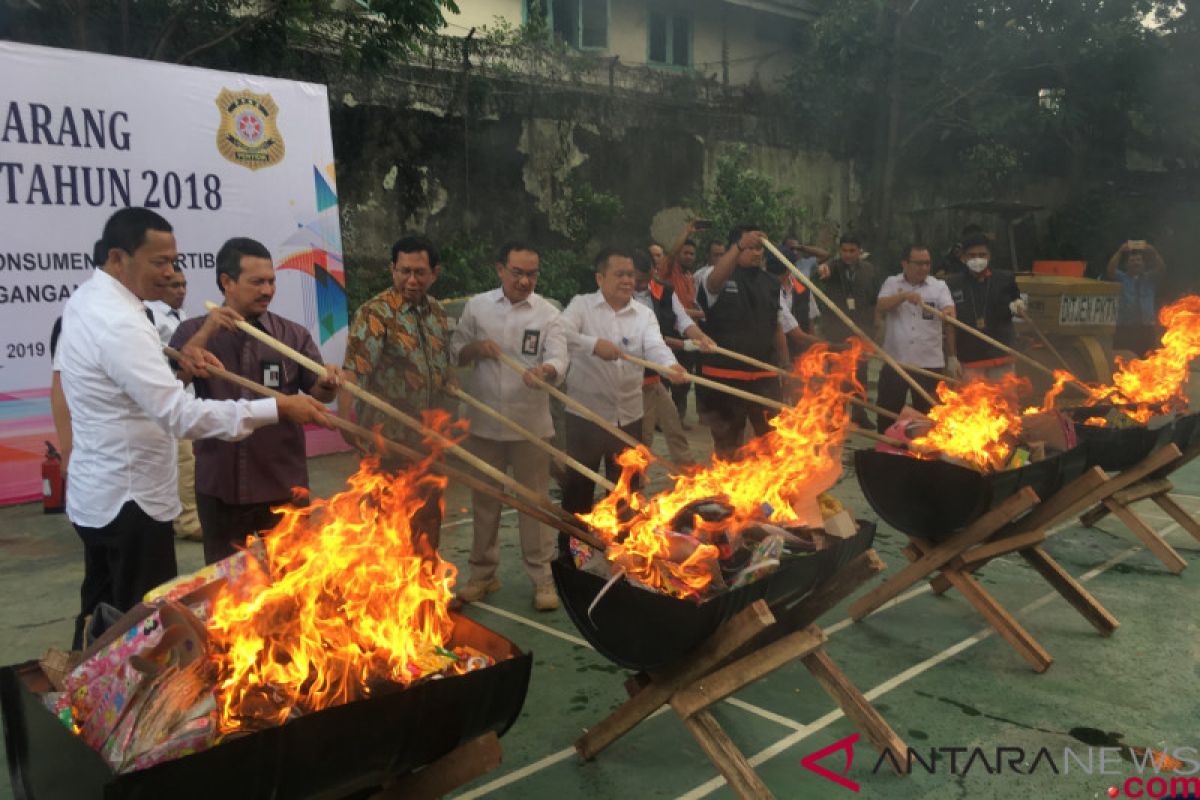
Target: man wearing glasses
{"points": [[515, 321]]}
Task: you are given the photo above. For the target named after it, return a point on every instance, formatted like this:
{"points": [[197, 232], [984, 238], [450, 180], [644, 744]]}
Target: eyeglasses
{"points": [[520, 274]]}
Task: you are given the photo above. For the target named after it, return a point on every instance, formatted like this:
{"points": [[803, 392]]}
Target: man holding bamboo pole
{"points": [[912, 334], [985, 299], [742, 313], [516, 321], [398, 348], [599, 327]]}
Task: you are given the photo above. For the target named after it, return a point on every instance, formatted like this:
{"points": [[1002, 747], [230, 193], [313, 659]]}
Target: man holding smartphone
{"points": [[1138, 267]]}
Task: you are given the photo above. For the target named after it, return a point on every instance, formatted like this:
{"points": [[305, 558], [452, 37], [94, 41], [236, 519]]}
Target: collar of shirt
{"points": [[500, 298], [598, 301], [424, 308], [924, 281], [117, 288]]}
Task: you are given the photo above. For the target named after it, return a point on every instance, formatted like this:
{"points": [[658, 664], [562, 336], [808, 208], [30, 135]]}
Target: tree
{"points": [[979, 91], [275, 37]]}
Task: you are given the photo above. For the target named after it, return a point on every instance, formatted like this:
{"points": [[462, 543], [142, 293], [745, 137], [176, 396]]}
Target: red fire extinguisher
{"points": [[54, 489]]}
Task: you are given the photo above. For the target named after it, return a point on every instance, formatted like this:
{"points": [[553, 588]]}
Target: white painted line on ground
{"points": [[758, 711], [901, 678]]}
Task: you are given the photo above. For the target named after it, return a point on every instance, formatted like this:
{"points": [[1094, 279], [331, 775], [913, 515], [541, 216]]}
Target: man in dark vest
{"points": [[853, 284], [741, 313], [986, 299]]}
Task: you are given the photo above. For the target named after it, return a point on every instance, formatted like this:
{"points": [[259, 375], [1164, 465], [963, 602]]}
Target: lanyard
{"points": [[980, 319]]}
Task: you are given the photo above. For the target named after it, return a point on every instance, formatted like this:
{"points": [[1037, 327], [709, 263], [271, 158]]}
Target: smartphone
{"points": [[1137, 244], [701, 224]]}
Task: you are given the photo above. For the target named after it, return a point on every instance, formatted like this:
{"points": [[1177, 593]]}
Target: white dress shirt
{"points": [[913, 335], [166, 319], [682, 320], [524, 332], [612, 389], [126, 407]]}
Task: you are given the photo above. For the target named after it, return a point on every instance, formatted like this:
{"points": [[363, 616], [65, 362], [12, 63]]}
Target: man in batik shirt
{"points": [[399, 349]]}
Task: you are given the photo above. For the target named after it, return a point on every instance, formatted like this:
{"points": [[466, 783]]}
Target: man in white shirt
{"points": [[598, 328], [168, 313], [913, 335], [127, 409], [515, 321]]}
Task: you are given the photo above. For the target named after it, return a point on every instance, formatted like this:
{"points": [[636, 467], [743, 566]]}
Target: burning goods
{"points": [[343, 601]]}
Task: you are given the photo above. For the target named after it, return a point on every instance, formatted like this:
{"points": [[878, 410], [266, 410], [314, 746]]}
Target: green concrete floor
{"points": [[929, 664]]}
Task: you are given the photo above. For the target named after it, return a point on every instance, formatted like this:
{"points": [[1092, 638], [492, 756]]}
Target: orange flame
{"points": [[346, 599], [775, 478], [974, 422], [1154, 384]]}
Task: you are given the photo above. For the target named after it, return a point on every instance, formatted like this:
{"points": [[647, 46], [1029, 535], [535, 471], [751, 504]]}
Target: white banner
{"points": [[218, 154]]}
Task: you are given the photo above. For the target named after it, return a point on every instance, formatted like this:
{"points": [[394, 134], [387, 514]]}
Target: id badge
{"points": [[850, 304], [980, 323], [530, 342], [272, 374]]}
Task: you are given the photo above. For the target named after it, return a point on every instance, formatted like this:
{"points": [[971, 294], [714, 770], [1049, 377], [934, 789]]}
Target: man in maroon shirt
{"points": [[237, 483]]}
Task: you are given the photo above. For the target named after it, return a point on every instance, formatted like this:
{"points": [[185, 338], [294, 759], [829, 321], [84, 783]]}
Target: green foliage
{"points": [[277, 37], [739, 195]]}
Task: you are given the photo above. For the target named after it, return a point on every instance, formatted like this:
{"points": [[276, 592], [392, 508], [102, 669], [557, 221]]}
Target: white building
{"points": [[736, 41]]}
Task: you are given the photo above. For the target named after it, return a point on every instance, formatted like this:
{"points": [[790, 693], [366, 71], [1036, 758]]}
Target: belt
{"points": [[987, 363], [735, 374], [650, 380]]}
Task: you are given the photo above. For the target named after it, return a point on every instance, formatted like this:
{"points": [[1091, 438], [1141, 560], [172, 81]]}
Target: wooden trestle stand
{"points": [[951, 563], [755, 642], [1148, 480], [457, 768]]}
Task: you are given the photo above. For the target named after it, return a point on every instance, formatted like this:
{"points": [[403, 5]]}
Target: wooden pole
{"points": [[405, 419], [584, 411], [783, 373], [755, 398], [1045, 340], [928, 373], [533, 439], [470, 481], [958, 323], [845, 318]]}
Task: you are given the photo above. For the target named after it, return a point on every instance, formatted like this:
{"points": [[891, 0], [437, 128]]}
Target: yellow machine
{"points": [[1078, 316]]}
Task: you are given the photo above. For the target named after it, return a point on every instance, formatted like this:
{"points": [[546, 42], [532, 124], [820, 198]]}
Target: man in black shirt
{"points": [[985, 299], [853, 284]]}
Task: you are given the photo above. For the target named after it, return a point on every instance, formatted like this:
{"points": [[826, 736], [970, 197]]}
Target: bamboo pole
{"points": [[463, 477], [534, 439], [928, 373], [958, 323], [584, 411], [845, 318], [755, 398], [1045, 340], [783, 373], [405, 419]]}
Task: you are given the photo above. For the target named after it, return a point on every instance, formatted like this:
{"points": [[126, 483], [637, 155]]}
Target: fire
{"points": [[346, 600], [776, 478], [974, 421], [1154, 385]]}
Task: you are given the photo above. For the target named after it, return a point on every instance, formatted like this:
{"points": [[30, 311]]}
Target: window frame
{"points": [[577, 39], [670, 18]]}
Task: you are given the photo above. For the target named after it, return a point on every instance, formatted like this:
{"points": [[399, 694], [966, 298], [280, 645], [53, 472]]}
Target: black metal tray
{"points": [[644, 630], [339, 752], [1114, 449], [932, 499]]}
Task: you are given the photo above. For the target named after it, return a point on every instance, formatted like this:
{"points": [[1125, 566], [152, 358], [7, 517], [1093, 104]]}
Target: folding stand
{"points": [[951, 563], [437, 779], [1147, 480], [755, 642]]}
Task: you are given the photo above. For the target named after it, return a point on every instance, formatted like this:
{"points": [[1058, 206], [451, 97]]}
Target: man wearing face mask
{"points": [[238, 484], [987, 300]]}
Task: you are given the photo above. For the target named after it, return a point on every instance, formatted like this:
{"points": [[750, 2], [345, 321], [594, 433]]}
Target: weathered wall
{"points": [[409, 158]]}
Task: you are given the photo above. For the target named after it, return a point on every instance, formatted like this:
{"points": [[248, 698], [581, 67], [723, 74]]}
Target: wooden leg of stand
{"points": [[1071, 590], [1090, 518], [1154, 543], [1176, 512], [723, 753], [470, 761], [745, 625], [855, 704], [1001, 620]]}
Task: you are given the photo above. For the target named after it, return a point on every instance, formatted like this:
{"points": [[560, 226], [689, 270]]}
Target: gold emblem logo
{"points": [[248, 134]]}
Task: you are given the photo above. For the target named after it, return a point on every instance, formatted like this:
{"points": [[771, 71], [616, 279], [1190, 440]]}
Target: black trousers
{"points": [[893, 393], [225, 526], [726, 416], [122, 561], [590, 444]]}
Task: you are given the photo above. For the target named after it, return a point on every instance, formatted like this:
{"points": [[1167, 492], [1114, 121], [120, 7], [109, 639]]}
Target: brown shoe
{"points": [[545, 597], [475, 591]]}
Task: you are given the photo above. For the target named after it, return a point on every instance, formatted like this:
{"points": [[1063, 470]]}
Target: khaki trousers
{"points": [[530, 468], [658, 408], [187, 524]]}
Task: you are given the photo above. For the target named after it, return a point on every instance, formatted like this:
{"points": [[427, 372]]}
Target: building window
{"points": [[670, 39], [582, 24]]}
